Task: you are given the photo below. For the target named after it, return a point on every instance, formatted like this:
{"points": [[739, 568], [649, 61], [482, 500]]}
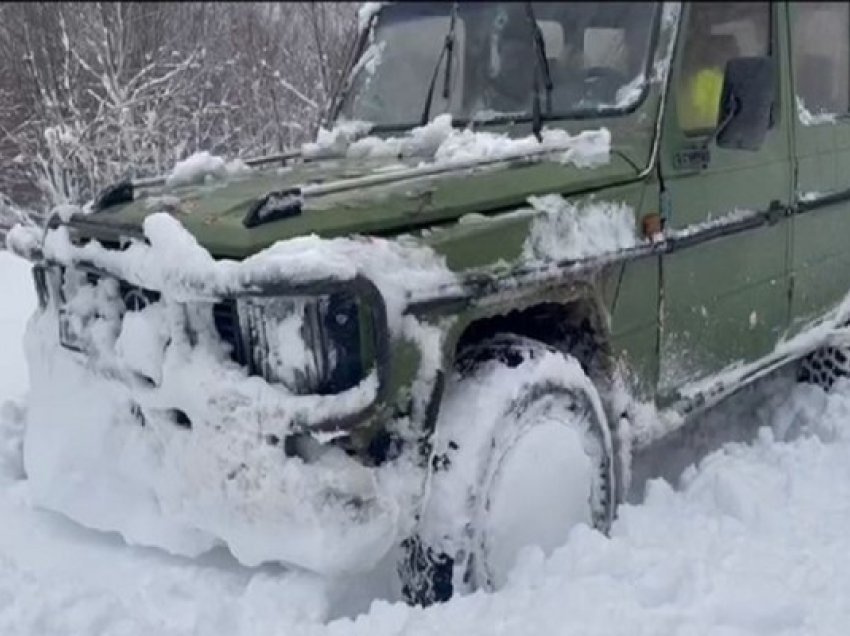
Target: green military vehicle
{"points": [[535, 239]]}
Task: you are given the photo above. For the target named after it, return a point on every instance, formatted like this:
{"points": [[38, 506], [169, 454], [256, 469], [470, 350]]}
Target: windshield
{"points": [[597, 56]]}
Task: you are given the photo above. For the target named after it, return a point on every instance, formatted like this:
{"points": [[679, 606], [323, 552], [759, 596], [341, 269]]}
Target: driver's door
{"points": [[725, 298]]}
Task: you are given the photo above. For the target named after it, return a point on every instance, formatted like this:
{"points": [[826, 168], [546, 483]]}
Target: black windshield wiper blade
{"points": [[541, 66], [447, 51]]}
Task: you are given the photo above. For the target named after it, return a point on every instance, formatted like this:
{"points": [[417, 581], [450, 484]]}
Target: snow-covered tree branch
{"points": [[93, 92]]}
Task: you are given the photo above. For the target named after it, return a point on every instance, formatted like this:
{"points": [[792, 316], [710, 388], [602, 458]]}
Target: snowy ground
{"points": [[752, 541]]}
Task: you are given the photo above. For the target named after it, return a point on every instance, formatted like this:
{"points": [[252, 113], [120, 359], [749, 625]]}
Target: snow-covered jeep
{"points": [[534, 238]]}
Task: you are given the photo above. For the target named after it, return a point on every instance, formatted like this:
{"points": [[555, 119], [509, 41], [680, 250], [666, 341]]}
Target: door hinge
{"points": [[666, 209]]}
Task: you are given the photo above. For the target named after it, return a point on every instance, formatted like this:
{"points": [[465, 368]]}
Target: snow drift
{"points": [[752, 541], [105, 444]]}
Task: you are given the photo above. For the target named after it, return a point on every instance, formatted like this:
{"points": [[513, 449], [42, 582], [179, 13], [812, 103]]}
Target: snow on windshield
{"points": [[596, 54]]}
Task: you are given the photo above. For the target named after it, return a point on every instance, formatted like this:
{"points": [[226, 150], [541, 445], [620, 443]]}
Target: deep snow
{"points": [[753, 541], [18, 300], [159, 485]]}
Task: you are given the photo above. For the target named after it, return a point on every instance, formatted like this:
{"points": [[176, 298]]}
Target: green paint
{"points": [[670, 318]]}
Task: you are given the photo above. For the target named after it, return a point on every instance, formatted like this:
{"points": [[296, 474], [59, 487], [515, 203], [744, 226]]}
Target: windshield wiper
{"points": [[447, 51], [541, 66]]}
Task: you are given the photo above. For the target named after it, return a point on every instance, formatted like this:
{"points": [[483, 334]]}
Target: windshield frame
{"points": [[577, 114]]}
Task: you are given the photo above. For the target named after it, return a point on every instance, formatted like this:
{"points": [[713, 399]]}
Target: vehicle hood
{"points": [[339, 200]]}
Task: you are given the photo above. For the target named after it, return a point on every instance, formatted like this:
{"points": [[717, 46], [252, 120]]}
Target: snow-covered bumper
{"points": [[146, 418]]}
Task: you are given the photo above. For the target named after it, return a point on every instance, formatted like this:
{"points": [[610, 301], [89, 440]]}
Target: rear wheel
{"points": [[522, 455], [824, 366]]}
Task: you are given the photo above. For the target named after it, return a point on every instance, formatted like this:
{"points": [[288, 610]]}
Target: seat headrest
{"points": [[724, 44], [714, 49], [553, 38]]}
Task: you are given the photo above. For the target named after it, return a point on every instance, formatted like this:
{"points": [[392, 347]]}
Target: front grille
{"points": [[331, 331], [226, 319], [134, 298]]}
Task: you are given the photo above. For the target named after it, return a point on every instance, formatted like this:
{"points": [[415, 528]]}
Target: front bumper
{"points": [[191, 322], [163, 438], [199, 460]]}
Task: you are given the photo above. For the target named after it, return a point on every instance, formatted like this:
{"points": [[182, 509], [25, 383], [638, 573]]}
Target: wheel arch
{"points": [[575, 322], [577, 310]]}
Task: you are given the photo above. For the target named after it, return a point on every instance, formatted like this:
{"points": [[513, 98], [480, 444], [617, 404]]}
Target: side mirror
{"points": [[746, 102]]}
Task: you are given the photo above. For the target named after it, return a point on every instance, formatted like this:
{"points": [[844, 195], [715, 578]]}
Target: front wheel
{"points": [[522, 455]]}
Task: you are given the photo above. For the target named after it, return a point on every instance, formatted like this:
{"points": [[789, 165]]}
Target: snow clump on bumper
{"points": [[157, 434]]}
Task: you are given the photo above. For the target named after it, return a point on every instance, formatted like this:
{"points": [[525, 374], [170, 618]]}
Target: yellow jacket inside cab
{"points": [[699, 103]]}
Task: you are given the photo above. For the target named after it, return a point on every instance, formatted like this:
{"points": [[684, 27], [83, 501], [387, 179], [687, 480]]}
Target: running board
{"points": [[698, 397]]}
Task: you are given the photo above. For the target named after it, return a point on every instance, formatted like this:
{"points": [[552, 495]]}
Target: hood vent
{"points": [[121, 192], [275, 206]]}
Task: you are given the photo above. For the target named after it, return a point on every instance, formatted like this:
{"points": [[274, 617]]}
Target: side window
{"points": [[716, 33], [821, 32]]}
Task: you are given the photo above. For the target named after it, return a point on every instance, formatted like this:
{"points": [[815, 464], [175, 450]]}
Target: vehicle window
{"points": [[716, 33], [821, 50], [392, 86], [598, 55]]}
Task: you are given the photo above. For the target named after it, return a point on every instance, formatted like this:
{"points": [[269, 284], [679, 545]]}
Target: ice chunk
{"points": [[199, 167], [442, 144], [566, 230]]}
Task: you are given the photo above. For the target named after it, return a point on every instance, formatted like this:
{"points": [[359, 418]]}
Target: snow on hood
{"points": [[566, 230], [443, 144], [336, 140], [175, 264], [158, 484], [201, 166]]}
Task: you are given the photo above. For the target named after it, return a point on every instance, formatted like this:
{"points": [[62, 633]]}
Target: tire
{"points": [[824, 366], [522, 454]]}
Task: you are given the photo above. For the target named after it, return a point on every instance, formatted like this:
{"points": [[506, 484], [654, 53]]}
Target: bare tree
{"points": [[93, 92]]}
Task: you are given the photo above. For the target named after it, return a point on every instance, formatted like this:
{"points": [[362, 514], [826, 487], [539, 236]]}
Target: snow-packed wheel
{"points": [[522, 454], [824, 366]]}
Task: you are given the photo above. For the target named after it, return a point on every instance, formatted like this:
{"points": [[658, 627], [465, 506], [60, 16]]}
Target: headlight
{"points": [[313, 344], [90, 305], [72, 326], [308, 344]]}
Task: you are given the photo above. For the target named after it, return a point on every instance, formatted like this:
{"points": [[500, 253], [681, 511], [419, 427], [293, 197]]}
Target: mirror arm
{"points": [[718, 130], [699, 155]]}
